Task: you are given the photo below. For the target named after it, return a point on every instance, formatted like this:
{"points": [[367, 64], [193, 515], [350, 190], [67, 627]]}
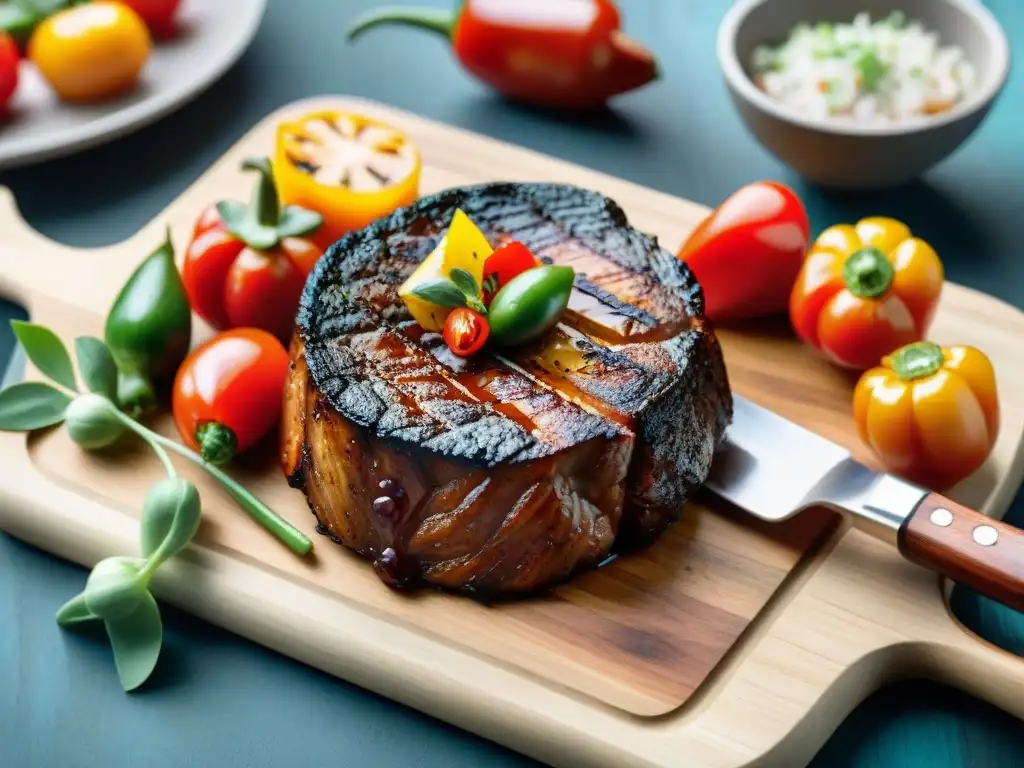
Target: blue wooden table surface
{"points": [[217, 700]]}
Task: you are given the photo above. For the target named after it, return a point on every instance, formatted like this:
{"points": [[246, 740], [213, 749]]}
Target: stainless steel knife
{"points": [[773, 468]]}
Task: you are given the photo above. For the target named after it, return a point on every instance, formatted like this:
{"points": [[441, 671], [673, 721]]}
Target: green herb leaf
{"points": [[442, 292], [74, 611], [46, 352], [871, 70], [97, 366], [115, 587], [242, 223], [170, 518], [464, 281], [31, 405], [296, 221], [136, 640], [18, 22]]}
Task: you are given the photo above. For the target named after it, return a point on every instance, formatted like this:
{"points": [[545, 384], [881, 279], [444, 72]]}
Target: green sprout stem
{"points": [[284, 531]]}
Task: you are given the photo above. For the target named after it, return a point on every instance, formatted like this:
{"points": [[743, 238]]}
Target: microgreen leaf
{"points": [[31, 405], [115, 587], [242, 223], [97, 366], [464, 281], [170, 518], [74, 611], [297, 221], [136, 640], [46, 352], [442, 292]]}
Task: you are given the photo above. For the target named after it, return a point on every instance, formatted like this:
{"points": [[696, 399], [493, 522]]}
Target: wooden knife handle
{"points": [[968, 547]]}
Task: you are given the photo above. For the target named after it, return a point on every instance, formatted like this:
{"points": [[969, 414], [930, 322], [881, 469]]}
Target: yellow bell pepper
{"points": [[351, 169], [931, 414], [465, 247]]}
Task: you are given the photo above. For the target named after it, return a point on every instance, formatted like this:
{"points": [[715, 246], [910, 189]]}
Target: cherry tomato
{"points": [[466, 331], [9, 58], [508, 261], [159, 15], [229, 392], [746, 255], [89, 52]]}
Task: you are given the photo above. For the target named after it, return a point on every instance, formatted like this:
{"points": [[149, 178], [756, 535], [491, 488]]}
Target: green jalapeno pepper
{"points": [[149, 328], [530, 304]]}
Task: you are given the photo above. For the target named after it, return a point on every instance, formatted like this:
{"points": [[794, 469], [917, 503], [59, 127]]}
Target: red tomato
{"points": [[10, 57], [466, 331], [511, 259], [746, 255], [230, 285], [235, 381], [159, 15]]}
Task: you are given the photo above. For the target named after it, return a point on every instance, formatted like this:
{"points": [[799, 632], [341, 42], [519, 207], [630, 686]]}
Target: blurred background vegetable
{"points": [[561, 55], [92, 51]]}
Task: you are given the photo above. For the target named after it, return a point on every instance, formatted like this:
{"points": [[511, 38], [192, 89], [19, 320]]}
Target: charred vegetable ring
{"points": [[350, 168]]}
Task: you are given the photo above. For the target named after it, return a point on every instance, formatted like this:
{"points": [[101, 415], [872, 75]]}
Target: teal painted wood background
{"points": [[217, 700]]}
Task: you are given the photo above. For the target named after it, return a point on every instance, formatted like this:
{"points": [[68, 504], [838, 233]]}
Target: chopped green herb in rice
{"points": [[877, 72]]}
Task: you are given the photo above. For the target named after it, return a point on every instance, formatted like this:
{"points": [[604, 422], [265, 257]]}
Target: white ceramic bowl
{"points": [[856, 156]]}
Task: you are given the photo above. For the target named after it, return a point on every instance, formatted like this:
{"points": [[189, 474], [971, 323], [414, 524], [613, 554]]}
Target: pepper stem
{"points": [[217, 442], [266, 205], [432, 19], [917, 361], [868, 273]]}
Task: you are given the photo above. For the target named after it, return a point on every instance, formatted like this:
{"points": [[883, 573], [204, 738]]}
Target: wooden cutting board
{"points": [[727, 643]]}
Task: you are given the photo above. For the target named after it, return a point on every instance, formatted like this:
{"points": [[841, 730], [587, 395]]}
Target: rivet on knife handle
{"points": [[967, 547]]}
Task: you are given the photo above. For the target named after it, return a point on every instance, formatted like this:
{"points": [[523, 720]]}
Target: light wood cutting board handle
{"points": [[34, 267], [968, 547]]}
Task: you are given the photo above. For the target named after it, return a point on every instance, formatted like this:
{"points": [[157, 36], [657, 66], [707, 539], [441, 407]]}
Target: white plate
{"points": [[214, 34]]}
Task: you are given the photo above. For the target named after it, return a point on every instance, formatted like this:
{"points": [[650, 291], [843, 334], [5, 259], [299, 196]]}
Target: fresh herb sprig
{"points": [[117, 591], [459, 289]]}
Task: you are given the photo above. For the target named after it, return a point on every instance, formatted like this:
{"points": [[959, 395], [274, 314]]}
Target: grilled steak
{"points": [[508, 471]]}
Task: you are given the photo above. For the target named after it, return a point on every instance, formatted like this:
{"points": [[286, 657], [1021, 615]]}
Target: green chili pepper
{"points": [[149, 328], [530, 304]]}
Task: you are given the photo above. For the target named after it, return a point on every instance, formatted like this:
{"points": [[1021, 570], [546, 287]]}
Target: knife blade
{"points": [[773, 469]]}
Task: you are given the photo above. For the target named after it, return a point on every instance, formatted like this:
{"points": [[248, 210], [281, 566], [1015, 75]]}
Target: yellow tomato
{"points": [[89, 52]]}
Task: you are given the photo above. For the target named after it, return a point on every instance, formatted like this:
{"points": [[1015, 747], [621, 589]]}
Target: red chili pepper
{"points": [[553, 54], [465, 331], [246, 265], [511, 259]]}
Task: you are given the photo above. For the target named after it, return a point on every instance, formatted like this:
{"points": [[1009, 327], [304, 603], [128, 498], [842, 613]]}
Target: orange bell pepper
{"points": [[931, 414], [351, 169], [865, 290]]}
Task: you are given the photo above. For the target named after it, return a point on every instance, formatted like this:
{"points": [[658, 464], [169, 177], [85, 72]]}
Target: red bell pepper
{"points": [[247, 264], [569, 55], [747, 253]]}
